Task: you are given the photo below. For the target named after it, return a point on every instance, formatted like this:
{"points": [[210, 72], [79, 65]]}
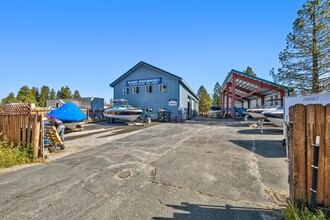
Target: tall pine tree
{"points": [[249, 71], [52, 94], [306, 58], [216, 94], [76, 94], [9, 99], [205, 101], [44, 95], [25, 95]]}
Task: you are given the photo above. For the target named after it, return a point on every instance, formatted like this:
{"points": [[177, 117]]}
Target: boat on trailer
{"points": [[122, 111]]}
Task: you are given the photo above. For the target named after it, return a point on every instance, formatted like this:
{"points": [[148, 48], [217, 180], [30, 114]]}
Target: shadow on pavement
{"points": [[266, 131], [208, 212], [265, 148]]}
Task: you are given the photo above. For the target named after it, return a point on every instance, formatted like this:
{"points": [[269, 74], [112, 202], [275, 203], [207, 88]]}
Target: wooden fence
{"points": [[21, 127], [307, 122]]}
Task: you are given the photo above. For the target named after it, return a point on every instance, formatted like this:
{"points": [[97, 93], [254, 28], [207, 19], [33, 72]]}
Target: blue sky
{"points": [[86, 45]]}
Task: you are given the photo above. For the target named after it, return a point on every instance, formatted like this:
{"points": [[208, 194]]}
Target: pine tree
{"points": [[65, 93], [35, 94], [306, 58], [76, 94], [44, 95], [249, 71], [216, 94], [25, 95], [9, 99], [52, 94], [205, 101]]}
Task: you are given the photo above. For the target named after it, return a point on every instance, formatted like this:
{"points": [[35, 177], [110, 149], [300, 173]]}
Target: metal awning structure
{"points": [[243, 87]]}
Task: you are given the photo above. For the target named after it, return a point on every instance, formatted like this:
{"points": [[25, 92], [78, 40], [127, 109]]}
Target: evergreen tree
{"points": [[25, 95], [249, 71], [217, 94], [205, 101], [58, 94], [76, 94], [65, 93], [200, 91], [9, 99], [44, 95], [52, 94], [35, 94], [306, 58]]}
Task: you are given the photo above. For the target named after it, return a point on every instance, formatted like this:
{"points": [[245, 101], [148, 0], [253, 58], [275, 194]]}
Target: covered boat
{"points": [[70, 114], [122, 111]]}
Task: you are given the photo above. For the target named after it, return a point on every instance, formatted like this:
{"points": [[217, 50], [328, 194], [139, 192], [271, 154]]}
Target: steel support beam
{"points": [[252, 92], [246, 90], [227, 98], [233, 89], [282, 97], [258, 83]]}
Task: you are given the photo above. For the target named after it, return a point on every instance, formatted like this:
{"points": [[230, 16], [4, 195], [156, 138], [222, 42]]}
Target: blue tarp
{"points": [[68, 112]]}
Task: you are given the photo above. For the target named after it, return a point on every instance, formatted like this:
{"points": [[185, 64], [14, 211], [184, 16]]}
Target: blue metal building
{"points": [[156, 90]]}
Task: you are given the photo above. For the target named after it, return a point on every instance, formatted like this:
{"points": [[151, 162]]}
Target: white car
{"points": [[215, 112]]}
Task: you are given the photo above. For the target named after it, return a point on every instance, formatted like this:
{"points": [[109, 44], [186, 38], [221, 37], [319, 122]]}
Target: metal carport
{"points": [[239, 86]]}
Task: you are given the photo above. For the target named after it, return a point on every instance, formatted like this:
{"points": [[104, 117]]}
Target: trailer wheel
{"points": [[51, 148]]}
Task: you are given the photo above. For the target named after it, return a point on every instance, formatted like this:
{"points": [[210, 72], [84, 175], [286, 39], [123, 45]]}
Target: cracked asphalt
{"points": [[201, 169]]}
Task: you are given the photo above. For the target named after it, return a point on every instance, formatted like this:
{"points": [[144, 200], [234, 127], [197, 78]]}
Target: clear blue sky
{"points": [[86, 45]]}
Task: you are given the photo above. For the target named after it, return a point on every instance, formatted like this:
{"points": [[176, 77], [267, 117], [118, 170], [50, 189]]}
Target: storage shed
{"points": [[90, 103], [156, 91], [241, 90]]}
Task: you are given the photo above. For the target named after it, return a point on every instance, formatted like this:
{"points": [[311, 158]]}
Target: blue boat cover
{"points": [[68, 112]]}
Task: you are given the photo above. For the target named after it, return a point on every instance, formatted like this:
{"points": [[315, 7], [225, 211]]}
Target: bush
{"points": [[293, 212], [11, 155]]}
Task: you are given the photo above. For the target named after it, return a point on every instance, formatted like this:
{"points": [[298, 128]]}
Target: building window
{"points": [[162, 88], [135, 90], [125, 90], [148, 88], [276, 100]]}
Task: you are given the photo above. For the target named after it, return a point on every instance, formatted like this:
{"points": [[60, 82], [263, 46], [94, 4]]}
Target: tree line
{"points": [[39, 96]]}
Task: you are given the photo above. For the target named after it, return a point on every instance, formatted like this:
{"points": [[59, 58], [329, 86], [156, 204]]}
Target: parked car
{"points": [[215, 112]]}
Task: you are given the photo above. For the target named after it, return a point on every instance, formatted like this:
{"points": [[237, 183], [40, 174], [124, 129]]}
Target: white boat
{"points": [[122, 111], [256, 113], [275, 116]]}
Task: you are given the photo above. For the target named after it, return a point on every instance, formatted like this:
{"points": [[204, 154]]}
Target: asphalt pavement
{"points": [[201, 169]]}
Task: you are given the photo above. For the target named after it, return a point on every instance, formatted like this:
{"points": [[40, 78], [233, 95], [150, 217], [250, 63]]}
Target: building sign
{"points": [[173, 102], [138, 82]]}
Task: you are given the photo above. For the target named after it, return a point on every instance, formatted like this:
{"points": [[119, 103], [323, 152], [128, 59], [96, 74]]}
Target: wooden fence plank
{"points": [[310, 139], [17, 129], [327, 158], [24, 125], [290, 154], [299, 149], [35, 135], [320, 131], [29, 130]]}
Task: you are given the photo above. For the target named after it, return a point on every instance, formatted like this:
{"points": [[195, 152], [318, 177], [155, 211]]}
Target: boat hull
{"points": [[277, 121], [123, 115]]}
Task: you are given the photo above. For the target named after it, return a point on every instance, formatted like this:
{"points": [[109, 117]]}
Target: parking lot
{"points": [[201, 169]]}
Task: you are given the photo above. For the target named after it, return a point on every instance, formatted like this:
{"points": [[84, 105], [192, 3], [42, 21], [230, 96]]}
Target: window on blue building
{"points": [[125, 90], [162, 88], [135, 90], [148, 88]]}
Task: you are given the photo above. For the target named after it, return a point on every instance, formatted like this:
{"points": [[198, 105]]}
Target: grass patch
{"points": [[293, 212], [11, 155]]}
